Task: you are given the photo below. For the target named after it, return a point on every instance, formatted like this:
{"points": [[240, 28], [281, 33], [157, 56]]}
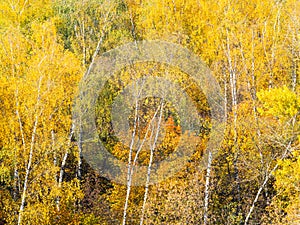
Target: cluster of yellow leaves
{"points": [[279, 102], [20, 12]]}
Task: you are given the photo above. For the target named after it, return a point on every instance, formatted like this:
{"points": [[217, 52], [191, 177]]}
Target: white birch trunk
{"points": [[206, 191], [233, 85], [268, 176], [152, 148], [27, 172]]}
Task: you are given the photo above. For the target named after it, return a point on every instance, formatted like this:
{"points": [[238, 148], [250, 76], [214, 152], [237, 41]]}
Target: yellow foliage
{"points": [[279, 102]]}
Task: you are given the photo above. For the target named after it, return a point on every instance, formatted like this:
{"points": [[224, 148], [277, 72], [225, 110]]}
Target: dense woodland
{"points": [[253, 51]]}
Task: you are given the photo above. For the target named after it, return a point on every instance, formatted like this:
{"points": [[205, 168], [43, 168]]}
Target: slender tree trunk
{"points": [[268, 176], [54, 162], [79, 145], [63, 164], [129, 173], [270, 173], [206, 191], [131, 164], [152, 148], [96, 52], [16, 180], [225, 92], [28, 169], [294, 64], [294, 74], [233, 85]]}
